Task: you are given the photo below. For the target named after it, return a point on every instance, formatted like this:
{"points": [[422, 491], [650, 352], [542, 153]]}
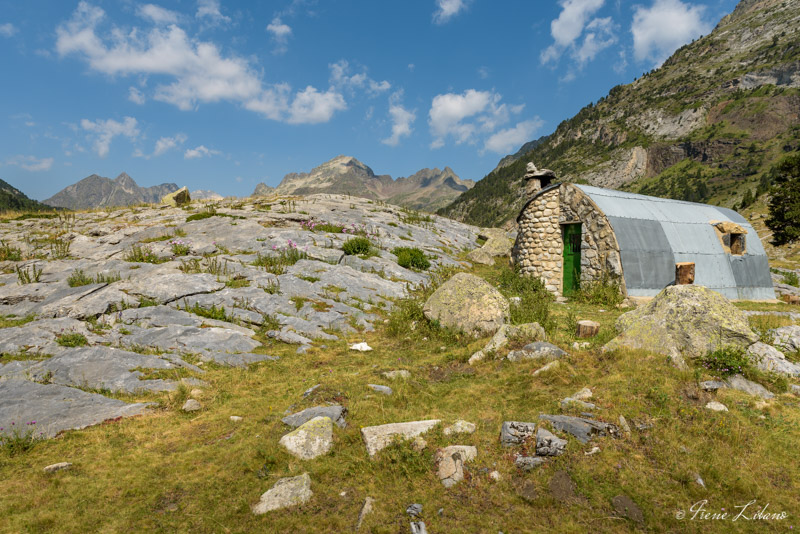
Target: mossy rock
{"points": [[468, 303], [178, 198], [684, 321]]}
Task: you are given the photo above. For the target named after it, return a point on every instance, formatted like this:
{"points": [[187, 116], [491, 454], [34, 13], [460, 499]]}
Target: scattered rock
{"points": [[311, 439], [468, 303], [450, 462], [535, 351], [768, 358], [527, 463], [716, 406], [549, 367], [583, 394], [414, 510], [235, 419], [418, 527], [586, 329], [196, 393], [567, 402], [712, 385], [495, 475], [394, 375], [310, 390], [286, 492], [532, 331], [365, 511], [516, 432], [291, 338], [547, 444], [699, 480], [592, 452], [740, 383], [386, 390], [379, 437], [419, 444], [787, 338], [61, 466], [623, 424], [336, 413], [583, 429], [625, 507], [481, 256], [361, 347], [683, 321], [794, 388], [460, 427], [191, 405]]}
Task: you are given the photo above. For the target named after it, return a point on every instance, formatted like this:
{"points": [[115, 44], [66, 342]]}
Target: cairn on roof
{"points": [[537, 179]]}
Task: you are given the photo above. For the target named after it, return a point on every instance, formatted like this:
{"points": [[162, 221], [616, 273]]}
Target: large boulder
{"points": [[683, 321], [468, 303], [286, 492], [178, 198]]}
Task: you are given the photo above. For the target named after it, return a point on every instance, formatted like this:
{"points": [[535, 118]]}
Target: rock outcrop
{"points": [[468, 303]]}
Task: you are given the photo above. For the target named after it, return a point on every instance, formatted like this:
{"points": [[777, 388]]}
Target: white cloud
{"points": [[483, 72], [411, 67], [340, 77], [7, 29], [599, 36], [569, 26], [157, 14], [280, 34], [31, 163], [209, 9], [196, 71], [104, 131], [310, 106], [464, 116], [136, 96], [200, 152], [402, 119], [505, 141], [665, 26], [447, 9], [164, 144]]}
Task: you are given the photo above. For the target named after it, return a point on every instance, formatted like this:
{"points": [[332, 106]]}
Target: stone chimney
{"points": [[537, 179]]}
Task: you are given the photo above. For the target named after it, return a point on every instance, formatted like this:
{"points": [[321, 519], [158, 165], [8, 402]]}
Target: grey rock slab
{"points": [[516, 432], [102, 367], [48, 300], [191, 405], [366, 509], [336, 413], [414, 510], [527, 463], [581, 428], [740, 383], [787, 338], [794, 388], [286, 492], [292, 338], [386, 390], [768, 358], [166, 288], [191, 339], [536, 351], [548, 444], [460, 427], [418, 527], [311, 439], [155, 316], [715, 406], [529, 331], [712, 385], [379, 437], [56, 408], [38, 337], [570, 402]]}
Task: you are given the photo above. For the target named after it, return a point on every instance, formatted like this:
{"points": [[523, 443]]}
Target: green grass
{"points": [[356, 246], [74, 339], [411, 258], [9, 321], [143, 254], [213, 312], [152, 473], [9, 253], [277, 262]]}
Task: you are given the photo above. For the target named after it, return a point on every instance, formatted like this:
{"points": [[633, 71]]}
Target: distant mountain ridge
{"points": [[706, 126], [12, 198], [428, 189], [99, 192]]}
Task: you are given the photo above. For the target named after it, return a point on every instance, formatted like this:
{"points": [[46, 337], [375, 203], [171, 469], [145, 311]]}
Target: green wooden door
{"points": [[572, 258]]}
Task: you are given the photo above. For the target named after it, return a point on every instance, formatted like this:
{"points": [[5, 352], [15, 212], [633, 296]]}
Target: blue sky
{"points": [[221, 95]]}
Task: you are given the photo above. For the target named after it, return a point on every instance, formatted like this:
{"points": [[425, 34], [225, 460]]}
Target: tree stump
{"points": [[587, 329], [684, 273]]}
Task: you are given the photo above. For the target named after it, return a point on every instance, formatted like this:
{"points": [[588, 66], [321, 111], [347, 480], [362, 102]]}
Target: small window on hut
{"points": [[734, 243]]}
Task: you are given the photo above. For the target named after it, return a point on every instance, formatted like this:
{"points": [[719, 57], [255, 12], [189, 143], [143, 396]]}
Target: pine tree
{"points": [[784, 204]]}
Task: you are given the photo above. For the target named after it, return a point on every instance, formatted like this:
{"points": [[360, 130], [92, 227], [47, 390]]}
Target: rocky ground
{"points": [[108, 297]]}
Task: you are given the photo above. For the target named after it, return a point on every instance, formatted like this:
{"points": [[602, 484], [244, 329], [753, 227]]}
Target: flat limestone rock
{"points": [[460, 427], [286, 492], [787, 338], [56, 408], [548, 444], [191, 339], [740, 383], [102, 367], [535, 351], [166, 288], [336, 413], [311, 439], [768, 358], [450, 463], [237, 360], [379, 437], [581, 428]]}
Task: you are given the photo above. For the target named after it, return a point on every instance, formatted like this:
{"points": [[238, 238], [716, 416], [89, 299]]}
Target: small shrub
{"points": [[534, 301], [9, 253], [209, 212], [791, 279], [179, 247], [142, 254], [726, 361], [215, 313], [78, 278], [604, 292], [101, 278], [237, 281], [29, 275], [411, 258], [72, 340], [20, 438], [283, 257], [357, 246], [59, 248]]}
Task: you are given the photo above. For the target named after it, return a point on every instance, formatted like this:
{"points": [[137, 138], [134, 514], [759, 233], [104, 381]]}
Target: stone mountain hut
{"points": [[571, 234]]}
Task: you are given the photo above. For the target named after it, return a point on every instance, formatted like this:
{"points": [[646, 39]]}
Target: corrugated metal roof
{"points": [[651, 231]]}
